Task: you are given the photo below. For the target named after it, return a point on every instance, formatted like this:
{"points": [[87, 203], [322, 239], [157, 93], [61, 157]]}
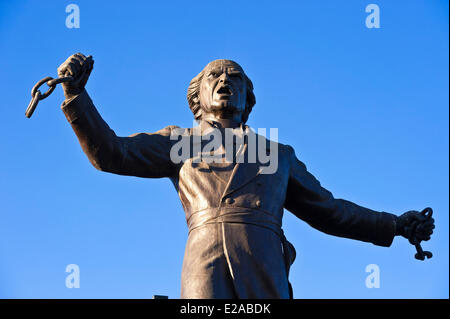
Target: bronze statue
{"points": [[236, 247]]}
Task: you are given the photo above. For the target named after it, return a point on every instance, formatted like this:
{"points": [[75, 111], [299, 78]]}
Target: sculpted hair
{"points": [[194, 100]]}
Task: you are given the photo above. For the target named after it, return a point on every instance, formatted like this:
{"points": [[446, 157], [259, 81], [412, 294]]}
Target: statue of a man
{"points": [[236, 247]]}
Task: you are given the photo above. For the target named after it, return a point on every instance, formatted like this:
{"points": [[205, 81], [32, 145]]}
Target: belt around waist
{"points": [[241, 215]]}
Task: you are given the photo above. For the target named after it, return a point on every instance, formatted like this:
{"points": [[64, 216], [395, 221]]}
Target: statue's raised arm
{"points": [[143, 155]]}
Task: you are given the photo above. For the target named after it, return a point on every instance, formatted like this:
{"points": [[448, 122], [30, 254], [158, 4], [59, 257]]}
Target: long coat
{"points": [[236, 247]]}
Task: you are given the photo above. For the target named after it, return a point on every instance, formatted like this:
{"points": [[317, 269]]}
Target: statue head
{"points": [[223, 91]]}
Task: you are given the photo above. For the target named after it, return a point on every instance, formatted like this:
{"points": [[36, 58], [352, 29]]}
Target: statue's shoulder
{"points": [[294, 158], [283, 149], [287, 149], [166, 131]]}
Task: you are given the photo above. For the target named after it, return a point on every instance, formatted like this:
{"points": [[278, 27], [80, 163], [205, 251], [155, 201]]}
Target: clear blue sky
{"points": [[365, 109]]}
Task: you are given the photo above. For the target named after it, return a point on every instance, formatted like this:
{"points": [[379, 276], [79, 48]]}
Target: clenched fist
{"points": [[415, 226], [79, 67]]}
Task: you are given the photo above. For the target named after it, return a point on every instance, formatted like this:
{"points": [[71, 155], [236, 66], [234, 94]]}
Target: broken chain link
{"points": [[36, 95]]}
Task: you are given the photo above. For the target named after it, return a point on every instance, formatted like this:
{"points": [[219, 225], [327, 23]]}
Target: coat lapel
{"points": [[243, 173]]}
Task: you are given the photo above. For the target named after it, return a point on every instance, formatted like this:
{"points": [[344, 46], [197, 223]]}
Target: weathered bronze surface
{"points": [[236, 247]]}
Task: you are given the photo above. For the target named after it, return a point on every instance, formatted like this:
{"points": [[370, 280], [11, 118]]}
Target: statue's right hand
{"points": [[79, 67]]}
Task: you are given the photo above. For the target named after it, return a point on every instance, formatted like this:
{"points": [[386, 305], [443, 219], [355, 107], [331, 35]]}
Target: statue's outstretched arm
{"points": [[309, 201]]}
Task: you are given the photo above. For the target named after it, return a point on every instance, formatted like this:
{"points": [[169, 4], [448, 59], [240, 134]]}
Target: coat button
{"points": [[229, 201], [258, 203]]}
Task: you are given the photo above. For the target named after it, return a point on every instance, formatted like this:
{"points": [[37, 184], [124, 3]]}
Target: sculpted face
{"points": [[223, 90]]}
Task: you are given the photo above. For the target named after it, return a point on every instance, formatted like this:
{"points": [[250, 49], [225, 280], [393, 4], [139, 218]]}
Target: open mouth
{"points": [[225, 90]]}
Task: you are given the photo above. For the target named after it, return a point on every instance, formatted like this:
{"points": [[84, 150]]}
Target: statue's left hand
{"points": [[415, 226]]}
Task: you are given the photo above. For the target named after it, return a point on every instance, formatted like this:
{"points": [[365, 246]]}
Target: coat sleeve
{"points": [[309, 201], [142, 155]]}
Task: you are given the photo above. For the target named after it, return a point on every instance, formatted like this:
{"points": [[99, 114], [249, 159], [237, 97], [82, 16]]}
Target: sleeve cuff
{"points": [[386, 229], [74, 107]]}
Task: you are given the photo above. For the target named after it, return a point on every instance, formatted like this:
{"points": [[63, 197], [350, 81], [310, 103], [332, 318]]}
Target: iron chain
{"points": [[36, 95]]}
